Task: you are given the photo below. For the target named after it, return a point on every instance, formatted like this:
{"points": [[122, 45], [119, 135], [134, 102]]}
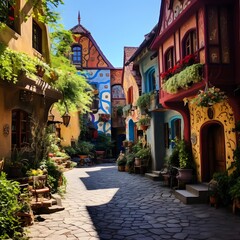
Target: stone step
{"points": [[153, 176], [194, 193], [186, 197], [157, 172]]}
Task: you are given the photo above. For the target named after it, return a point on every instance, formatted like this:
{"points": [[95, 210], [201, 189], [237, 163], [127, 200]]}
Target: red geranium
{"points": [[186, 61]]}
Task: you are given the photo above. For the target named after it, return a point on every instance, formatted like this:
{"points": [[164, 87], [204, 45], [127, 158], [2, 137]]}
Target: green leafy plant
{"points": [[181, 65], [103, 142], [183, 153], [71, 151], [145, 120], [10, 225], [84, 148], [120, 111], [137, 146], [55, 175], [130, 157], [144, 101], [234, 190], [144, 153], [183, 79], [44, 11]]}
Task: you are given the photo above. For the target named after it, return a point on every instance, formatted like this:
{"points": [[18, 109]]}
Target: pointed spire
{"points": [[79, 18]]}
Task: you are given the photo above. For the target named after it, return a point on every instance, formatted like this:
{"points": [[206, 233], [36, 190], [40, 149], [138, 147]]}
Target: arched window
{"points": [[77, 54], [117, 92], [189, 43], [169, 59], [150, 81], [20, 128]]}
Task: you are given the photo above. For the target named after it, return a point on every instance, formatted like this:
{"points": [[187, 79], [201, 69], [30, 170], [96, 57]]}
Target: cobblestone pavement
{"points": [[102, 203]]}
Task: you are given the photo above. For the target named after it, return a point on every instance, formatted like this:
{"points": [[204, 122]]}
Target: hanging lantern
{"points": [[66, 118]]}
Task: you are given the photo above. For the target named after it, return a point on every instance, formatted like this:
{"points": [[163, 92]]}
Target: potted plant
{"points": [[186, 164], [143, 153], [221, 190], [143, 122], [142, 158], [121, 162], [213, 193], [143, 102], [130, 162], [84, 149]]}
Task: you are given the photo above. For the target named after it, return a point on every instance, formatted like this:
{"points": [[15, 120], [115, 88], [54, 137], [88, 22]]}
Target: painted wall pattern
{"points": [[91, 57], [101, 78], [116, 76], [223, 113]]}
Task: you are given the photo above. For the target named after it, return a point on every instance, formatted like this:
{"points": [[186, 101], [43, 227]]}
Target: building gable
{"points": [[170, 10]]}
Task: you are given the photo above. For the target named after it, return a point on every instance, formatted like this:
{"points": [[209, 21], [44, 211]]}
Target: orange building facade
{"points": [[198, 45]]}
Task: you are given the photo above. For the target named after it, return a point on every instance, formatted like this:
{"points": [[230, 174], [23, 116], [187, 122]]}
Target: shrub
{"points": [[55, 175], [143, 153], [10, 225], [222, 180]]}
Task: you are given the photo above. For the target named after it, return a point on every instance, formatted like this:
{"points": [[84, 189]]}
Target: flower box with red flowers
{"points": [[182, 64]]}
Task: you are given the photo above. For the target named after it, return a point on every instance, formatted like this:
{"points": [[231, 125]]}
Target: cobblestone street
{"points": [[102, 203]]}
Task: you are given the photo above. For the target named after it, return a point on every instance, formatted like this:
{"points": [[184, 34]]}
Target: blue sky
{"points": [[113, 24]]}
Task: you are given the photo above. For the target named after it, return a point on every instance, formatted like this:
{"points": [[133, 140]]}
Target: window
{"points": [[190, 43], [20, 128], [117, 92], [150, 82], [130, 95], [175, 129], [77, 55], [166, 135], [219, 23], [37, 37], [169, 60], [7, 13]]}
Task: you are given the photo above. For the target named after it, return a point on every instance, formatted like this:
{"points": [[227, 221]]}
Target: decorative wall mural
{"points": [[199, 116], [101, 79]]}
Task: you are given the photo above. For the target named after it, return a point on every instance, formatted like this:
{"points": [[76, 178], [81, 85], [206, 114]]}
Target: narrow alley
{"points": [[102, 203]]}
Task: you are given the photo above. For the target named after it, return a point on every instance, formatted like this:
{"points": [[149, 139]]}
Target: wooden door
{"points": [[213, 151]]}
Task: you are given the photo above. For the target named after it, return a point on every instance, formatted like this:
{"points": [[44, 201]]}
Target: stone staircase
{"points": [[194, 193], [154, 175]]}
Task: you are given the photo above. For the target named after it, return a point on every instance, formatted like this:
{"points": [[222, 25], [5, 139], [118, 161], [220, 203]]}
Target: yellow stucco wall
{"points": [[223, 113], [72, 130], [21, 39], [5, 140]]}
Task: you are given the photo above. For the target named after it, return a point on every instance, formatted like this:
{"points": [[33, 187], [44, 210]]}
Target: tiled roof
{"points": [[128, 52], [79, 29]]}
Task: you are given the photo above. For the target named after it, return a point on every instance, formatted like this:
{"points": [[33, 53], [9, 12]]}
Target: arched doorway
{"points": [[213, 150]]}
